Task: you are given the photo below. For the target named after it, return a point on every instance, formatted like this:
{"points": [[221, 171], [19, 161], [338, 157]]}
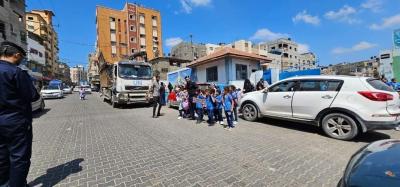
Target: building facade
{"points": [[211, 48], [120, 33], [227, 66], [365, 68], [40, 22], [77, 74], [385, 64], [36, 59], [12, 22], [65, 72], [163, 65], [188, 51], [93, 73]]}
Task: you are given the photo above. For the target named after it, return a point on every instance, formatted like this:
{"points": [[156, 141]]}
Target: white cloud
{"points": [[306, 18], [303, 48], [188, 5], [358, 47], [267, 35], [373, 5], [345, 14], [387, 22], [171, 42]]}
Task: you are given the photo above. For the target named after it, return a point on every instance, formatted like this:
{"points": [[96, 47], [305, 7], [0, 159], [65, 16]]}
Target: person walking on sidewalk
{"points": [[16, 95], [155, 88]]}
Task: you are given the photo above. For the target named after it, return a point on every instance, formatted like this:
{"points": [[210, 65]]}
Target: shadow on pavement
{"points": [[367, 137], [137, 105], [56, 174], [38, 114]]}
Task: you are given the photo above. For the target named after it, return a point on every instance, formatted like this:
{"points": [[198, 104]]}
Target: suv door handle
{"points": [[287, 97], [326, 97]]}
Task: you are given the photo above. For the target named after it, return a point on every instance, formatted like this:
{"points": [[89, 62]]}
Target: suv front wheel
{"points": [[250, 112], [339, 126]]}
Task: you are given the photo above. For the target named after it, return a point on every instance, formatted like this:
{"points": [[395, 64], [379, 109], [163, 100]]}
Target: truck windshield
{"points": [[134, 71]]}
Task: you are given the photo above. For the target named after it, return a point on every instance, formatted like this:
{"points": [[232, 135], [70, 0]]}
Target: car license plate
{"points": [[137, 83]]}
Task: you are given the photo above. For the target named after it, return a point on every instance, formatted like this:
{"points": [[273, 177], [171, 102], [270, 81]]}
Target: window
{"points": [[113, 49], [241, 72], [31, 27], [283, 87], [113, 37], [379, 85], [132, 28], [272, 48], [132, 17], [164, 70], [246, 44], [30, 18], [320, 85], [212, 74], [295, 49], [40, 54], [133, 39], [23, 37]]}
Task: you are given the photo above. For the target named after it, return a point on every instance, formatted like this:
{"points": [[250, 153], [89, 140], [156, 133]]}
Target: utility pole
{"points": [[191, 46]]}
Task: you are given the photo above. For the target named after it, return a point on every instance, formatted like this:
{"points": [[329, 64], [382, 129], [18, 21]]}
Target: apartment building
{"points": [[188, 51], [211, 48], [366, 68], [35, 55], [120, 33], [12, 22], [78, 74], [40, 22], [292, 58]]}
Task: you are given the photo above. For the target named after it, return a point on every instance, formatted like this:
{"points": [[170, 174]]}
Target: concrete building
{"points": [[227, 66], [40, 22], [385, 64], [291, 59], [93, 73], [211, 48], [163, 65], [36, 55], [12, 22], [120, 33], [188, 51], [78, 74], [65, 71], [365, 68]]}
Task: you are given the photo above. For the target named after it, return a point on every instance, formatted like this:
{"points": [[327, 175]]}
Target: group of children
{"points": [[212, 102]]}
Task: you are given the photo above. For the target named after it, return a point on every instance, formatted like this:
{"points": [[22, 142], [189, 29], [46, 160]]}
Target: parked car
{"points": [[38, 105], [76, 89], [376, 164], [342, 106], [52, 91], [87, 89], [67, 90]]}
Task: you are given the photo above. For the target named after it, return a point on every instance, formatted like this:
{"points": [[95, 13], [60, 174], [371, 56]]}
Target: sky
{"points": [[336, 30]]}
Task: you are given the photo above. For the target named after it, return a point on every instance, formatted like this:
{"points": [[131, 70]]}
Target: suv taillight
{"points": [[376, 96]]}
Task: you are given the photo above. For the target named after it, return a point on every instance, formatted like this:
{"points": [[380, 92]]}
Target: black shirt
{"points": [[16, 95], [191, 87]]}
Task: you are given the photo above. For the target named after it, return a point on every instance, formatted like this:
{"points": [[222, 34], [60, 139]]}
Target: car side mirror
{"points": [[265, 90]]}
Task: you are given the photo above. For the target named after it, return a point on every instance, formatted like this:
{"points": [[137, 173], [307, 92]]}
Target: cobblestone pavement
{"points": [[88, 143]]}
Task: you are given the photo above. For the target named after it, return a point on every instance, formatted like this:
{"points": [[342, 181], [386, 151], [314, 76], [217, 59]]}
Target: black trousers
{"points": [[15, 153], [156, 101], [192, 108]]}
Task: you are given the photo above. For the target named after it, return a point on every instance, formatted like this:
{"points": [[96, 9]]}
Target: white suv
{"points": [[342, 106]]}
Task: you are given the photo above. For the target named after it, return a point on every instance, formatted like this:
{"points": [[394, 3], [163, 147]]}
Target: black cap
{"points": [[11, 47]]}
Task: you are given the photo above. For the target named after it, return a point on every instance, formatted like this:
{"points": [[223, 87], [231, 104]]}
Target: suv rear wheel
{"points": [[339, 126], [250, 112]]}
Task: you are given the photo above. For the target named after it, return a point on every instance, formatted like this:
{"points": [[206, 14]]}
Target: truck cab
{"points": [[128, 83]]}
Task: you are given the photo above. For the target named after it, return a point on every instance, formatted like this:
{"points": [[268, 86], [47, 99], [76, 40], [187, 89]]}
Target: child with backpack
{"points": [[218, 107], [210, 101], [200, 106]]}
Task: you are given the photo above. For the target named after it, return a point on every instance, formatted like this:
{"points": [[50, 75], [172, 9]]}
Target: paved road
{"points": [[88, 143]]}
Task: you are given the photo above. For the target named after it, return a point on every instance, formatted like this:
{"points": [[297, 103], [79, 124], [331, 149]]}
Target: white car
{"points": [[87, 89], [67, 90], [342, 106], [38, 105], [52, 91]]}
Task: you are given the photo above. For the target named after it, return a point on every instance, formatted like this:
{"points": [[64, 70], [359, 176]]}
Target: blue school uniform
{"points": [[228, 110]]}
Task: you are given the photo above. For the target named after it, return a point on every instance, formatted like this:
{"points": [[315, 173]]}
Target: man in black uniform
{"points": [[191, 88], [16, 94]]}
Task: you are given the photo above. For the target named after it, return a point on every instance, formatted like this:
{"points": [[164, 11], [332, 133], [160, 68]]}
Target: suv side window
{"points": [[286, 86], [319, 85]]}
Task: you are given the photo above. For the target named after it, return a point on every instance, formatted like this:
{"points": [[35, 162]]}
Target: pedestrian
{"points": [[82, 94], [228, 107], [191, 87], [210, 102], [16, 95], [170, 87], [218, 107], [155, 88], [260, 84], [393, 84], [200, 106], [248, 87], [234, 94], [163, 96]]}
